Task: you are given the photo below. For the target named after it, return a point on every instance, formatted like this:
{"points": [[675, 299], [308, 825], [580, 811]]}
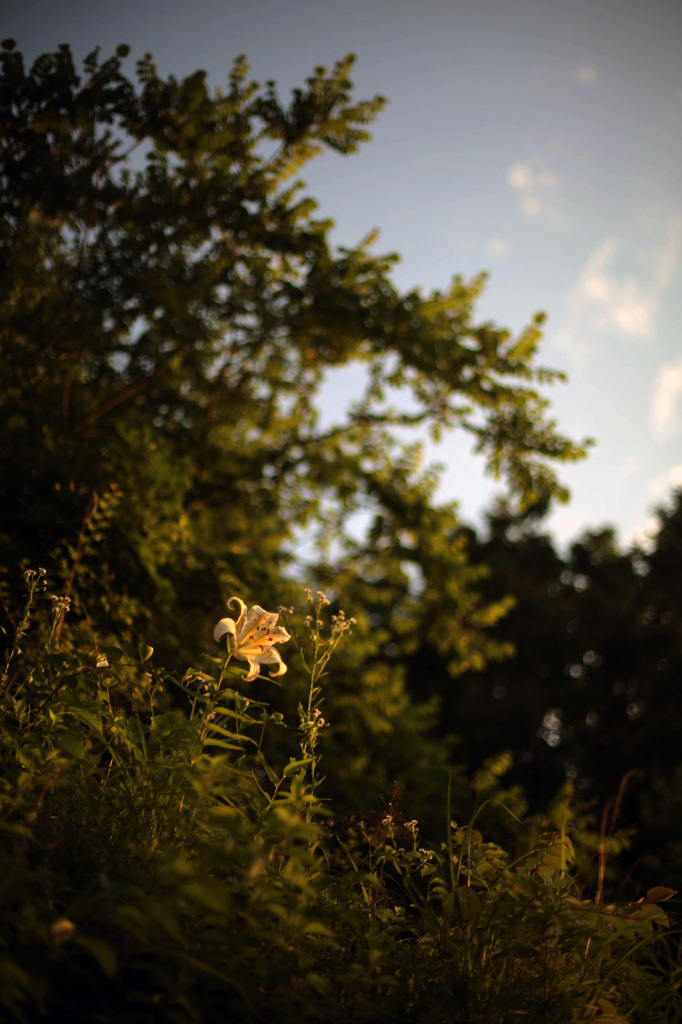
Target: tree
{"points": [[592, 690], [169, 306]]}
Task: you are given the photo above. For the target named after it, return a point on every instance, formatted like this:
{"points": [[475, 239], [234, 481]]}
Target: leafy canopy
{"points": [[169, 305]]}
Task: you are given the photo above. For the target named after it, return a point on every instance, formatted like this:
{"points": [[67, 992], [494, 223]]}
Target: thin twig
{"points": [[89, 513], [115, 400], [613, 805]]}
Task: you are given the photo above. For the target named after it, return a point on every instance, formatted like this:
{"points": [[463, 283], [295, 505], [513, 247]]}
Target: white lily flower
{"points": [[253, 635]]}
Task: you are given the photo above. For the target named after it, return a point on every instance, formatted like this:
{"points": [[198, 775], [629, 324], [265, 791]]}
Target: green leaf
{"points": [[217, 730], [210, 741], [58, 661], [71, 742], [113, 654], [145, 652], [267, 769], [659, 894], [101, 951], [29, 757], [295, 766], [467, 903], [468, 837], [91, 718], [317, 928]]}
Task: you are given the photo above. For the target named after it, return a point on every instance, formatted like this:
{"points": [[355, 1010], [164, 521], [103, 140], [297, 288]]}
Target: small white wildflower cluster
{"points": [[36, 578], [60, 605], [313, 724], [314, 623], [340, 624]]}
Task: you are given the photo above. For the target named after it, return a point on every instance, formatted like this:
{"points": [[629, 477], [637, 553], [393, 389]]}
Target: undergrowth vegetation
{"points": [[165, 855]]}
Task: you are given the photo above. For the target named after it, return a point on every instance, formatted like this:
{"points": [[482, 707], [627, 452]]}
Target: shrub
{"points": [[159, 864]]}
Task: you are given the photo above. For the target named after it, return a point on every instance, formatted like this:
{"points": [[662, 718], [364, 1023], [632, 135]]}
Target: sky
{"points": [[538, 140]]}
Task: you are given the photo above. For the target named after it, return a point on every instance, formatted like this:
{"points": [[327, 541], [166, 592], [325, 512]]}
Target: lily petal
{"points": [[242, 609], [223, 627], [271, 657]]}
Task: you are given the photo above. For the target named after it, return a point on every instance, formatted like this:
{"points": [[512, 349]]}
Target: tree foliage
{"points": [[592, 691], [170, 305]]}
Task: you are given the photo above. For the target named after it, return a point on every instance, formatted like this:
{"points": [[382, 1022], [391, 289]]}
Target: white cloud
{"points": [[605, 300], [531, 206], [635, 318], [520, 176], [664, 417], [585, 74], [660, 486], [666, 263], [499, 246], [534, 185], [624, 305]]}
